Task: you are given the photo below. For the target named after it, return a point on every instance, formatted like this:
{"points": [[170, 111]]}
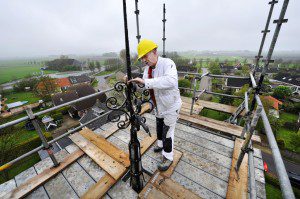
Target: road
{"points": [[205, 81], [290, 166]]}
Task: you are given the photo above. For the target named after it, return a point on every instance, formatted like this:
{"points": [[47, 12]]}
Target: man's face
{"points": [[150, 58]]}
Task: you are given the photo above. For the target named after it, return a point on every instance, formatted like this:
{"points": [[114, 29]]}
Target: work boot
{"points": [[157, 149], [164, 164]]}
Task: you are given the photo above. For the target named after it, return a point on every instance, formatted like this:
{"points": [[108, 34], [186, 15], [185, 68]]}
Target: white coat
{"points": [[165, 86]]}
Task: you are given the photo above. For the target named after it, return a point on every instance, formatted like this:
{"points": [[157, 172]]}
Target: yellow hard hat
{"points": [[144, 47]]}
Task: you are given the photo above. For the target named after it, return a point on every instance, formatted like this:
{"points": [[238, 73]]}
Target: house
{"points": [[235, 83], [63, 83], [80, 79], [92, 113], [274, 110], [229, 69], [291, 79], [75, 92]]}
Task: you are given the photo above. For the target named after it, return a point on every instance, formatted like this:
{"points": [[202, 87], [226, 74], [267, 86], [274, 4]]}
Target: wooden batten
{"points": [[238, 182]]}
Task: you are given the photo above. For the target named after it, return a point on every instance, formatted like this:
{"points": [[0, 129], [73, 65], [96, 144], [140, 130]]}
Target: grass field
{"points": [[286, 134], [18, 69], [21, 96]]}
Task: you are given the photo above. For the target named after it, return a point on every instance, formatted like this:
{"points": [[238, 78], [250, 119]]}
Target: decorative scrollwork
{"points": [[119, 112]]}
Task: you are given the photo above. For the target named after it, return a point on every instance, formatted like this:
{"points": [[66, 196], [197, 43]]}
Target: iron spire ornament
{"points": [[127, 113]]}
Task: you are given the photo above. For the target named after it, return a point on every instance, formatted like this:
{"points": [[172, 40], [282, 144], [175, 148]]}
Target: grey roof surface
{"points": [[204, 167]]}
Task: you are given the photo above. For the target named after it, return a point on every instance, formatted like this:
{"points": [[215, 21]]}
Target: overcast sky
{"points": [[53, 27]]}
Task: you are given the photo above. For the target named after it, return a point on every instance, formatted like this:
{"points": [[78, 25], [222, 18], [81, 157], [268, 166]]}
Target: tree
{"points": [[98, 65], [122, 56], [245, 70], [92, 66], [214, 68], [46, 87], [184, 83], [282, 92]]}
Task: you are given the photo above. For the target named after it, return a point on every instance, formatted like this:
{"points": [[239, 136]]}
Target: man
{"points": [[161, 78]]}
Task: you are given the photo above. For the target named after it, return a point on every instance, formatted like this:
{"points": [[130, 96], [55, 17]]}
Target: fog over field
{"points": [[42, 28]]}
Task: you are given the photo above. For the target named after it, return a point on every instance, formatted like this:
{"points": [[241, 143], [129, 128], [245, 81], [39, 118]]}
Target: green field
{"points": [[18, 69], [21, 96]]}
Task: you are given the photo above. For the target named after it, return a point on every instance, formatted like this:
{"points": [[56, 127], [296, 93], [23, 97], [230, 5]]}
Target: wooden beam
{"points": [[107, 147], [169, 172], [173, 189], [151, 192], [107, 163], [106, 182], [100, 188], [147, 142], [212, 105], [161, 186], [43, 177], [216, 125], [238, 182]]}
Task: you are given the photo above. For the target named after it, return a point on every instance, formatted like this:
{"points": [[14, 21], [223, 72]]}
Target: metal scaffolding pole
{"points": [[265, 31], [251, 172], [138, 36], [285, 185], [164, 31], [37, 127], [268, 60]]}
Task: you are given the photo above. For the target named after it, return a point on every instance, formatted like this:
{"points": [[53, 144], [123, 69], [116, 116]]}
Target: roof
{"points": [[290, 78], [274, 102], [16, 104], [63, 82], [61, 98], [205, 156], [234, 82], [92, 114], [79, 79]]}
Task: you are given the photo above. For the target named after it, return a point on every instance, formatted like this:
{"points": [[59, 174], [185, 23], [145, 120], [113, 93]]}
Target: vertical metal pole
{"points": [[285, 184], [248, 137], [136, 172], [251, 172], [194, 94], [268, 60], [41, 135], [138, 36], [265, 31], [164, 31]]}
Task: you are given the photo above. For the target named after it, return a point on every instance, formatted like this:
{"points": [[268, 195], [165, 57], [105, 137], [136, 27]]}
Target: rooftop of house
{"points": [[79, 79], [205, 169], [63, 82], [273, 102], [237, 83], [289, 78]]}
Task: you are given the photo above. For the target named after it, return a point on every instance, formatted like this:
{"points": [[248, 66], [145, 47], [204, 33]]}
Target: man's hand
{"points": [[137, 80]]}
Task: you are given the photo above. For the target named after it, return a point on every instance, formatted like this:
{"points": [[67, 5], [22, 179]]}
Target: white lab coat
{"points": [[164, 85], [168, 102]]}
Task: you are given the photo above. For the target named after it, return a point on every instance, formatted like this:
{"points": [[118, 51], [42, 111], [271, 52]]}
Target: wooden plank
{"points": [[173, 189], [213, 105], [43, 177], [151, 192], [107, 181], [177, 156], [107, 163], [107, 147], [187, 108], [147, 142], [100, 188], [238, 182], [216, 125]]}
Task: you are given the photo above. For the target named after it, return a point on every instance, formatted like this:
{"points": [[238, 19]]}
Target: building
{"points": [[291, 79], [63, 83], [75, 92], [274, 103], [235, 83], [80, 79]]}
